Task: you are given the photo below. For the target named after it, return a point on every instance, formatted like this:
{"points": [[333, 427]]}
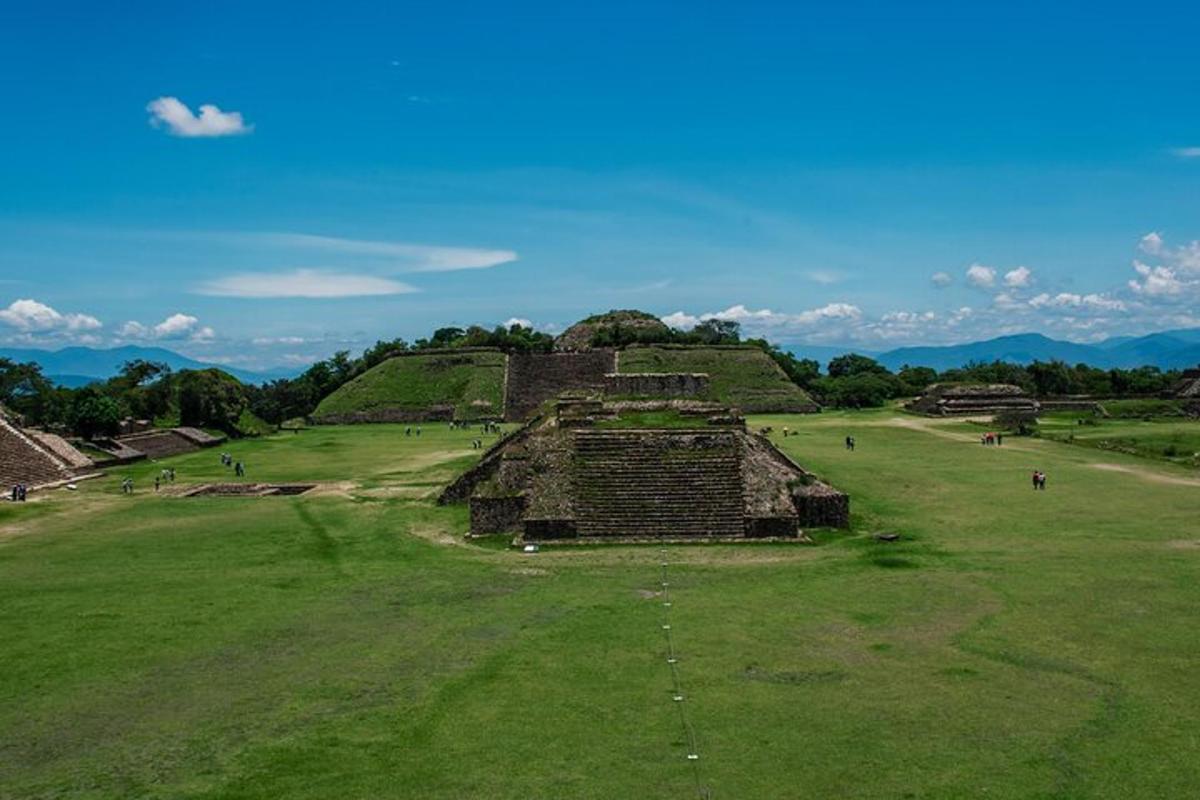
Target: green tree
{"points": [[210, 398], [94, 414]]}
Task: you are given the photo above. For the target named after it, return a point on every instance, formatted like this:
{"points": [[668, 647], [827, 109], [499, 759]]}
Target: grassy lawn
{"points": [[348, 644], [472, 382], [1172, 439]]}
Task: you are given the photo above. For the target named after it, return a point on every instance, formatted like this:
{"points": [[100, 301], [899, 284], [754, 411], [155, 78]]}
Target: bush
{"points": [[1021, 423]]}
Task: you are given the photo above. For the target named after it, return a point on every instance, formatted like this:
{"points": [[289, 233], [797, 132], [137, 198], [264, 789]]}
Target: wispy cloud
{"points": [[308, 283], [1186, 152], [179, 120], [412, 257], [941, 279], [825, 277]]}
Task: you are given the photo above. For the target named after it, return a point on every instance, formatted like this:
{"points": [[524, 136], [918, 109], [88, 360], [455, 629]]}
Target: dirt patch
{"points": [[532, 572], [1149, 475], [647, 594], [1184, 544], [404, 492]]}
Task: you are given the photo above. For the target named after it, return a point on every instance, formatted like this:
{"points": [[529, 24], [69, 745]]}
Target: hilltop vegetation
{"points": [[470, 381]]}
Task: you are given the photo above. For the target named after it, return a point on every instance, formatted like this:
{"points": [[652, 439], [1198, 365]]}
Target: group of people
{"points": [[239, 469], [18, 493], [1039, 480], [989, 438], [127, 486], [166, 476], [409, 430], [850, 443]]}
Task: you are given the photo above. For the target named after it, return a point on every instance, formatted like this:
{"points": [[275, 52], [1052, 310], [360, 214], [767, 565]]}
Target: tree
{"points": [[210, 398], [854, 364], [94, 414], [916, 379]]}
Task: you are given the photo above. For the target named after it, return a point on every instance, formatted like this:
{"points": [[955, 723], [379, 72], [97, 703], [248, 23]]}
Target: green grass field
{"points": [[471, 381], [1171, 439], [744, 376], [347, 643]]}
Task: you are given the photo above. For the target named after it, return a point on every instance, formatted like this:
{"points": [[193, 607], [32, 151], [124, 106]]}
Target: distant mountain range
{"points": [[1176, 349], [79, 366]]}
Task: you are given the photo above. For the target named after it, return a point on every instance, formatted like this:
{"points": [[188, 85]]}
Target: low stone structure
{"points": [[582, 474], [966, 399], [656, 384]]}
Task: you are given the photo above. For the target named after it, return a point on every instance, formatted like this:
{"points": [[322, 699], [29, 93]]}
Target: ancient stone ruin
{"points": [[967, 399], [37, 459], [1188, 390], [598, 470], [156, 443], [534, 378]]}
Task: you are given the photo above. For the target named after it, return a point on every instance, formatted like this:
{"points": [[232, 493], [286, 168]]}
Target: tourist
{"points": [[239, 469], [1042, 481], [418, 430], [171, 476], [408, 431], [21, 492], [850, 443], [157, 478], [1036, 476], [14, 493], [999, 439]]}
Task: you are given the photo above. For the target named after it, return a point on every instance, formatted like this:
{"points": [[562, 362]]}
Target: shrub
{"points": [[1021, 423]]}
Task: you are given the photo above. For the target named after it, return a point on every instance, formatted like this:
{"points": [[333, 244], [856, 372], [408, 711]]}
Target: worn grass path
{"points": [[1013, 644]]}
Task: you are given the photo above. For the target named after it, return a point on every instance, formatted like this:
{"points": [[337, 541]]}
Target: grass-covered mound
{"points": [[745, 377], [443, 385]]}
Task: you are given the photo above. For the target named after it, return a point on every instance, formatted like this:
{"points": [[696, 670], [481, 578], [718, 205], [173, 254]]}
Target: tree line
{"points": [[207, 398], [211, 398]]}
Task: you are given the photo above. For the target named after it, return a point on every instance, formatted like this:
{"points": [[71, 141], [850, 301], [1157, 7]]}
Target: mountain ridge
{"points": [[1174, 349], [79, 365]]}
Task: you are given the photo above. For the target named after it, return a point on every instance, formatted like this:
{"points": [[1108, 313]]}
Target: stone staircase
{"points": [[22, 460], [670, 483]]}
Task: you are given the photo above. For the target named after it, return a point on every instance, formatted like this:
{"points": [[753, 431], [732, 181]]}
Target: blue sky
{"points": [[869, 174]]}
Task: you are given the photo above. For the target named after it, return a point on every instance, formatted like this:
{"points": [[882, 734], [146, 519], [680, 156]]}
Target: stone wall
{"points": [[656, 384], [819, 505], [534, 378], [443, 413], [496, 514]]}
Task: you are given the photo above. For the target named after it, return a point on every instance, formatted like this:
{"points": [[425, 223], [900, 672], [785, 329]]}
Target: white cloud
{"points": [[825, 277], [1072, 300], [30, 316], [1018, 278], [765, 321], [266, 341], [1156, 281], [175, 327], [941, 279], [1187, 152], [310, 283], [981, 276], [417, 257], [180, 121], [524, 323], [1151, 243]]}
